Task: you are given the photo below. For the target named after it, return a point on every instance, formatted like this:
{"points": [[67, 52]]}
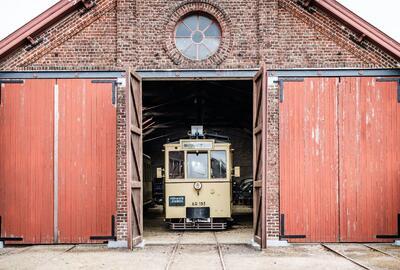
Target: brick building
{"points": [[319, 41]]}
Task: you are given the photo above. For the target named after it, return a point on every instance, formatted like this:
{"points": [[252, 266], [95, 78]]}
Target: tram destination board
{"points": [[176, 200], [197, 144]]}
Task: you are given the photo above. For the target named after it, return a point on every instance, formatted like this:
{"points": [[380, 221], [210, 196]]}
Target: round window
{"points": [[197, 37]]}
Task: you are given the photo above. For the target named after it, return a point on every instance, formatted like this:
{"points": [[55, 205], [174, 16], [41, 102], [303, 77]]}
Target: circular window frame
{"points": [[213, 22], [204, 8]]}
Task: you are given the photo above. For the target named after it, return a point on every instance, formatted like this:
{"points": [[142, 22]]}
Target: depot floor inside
{"points": [[224, 108]]}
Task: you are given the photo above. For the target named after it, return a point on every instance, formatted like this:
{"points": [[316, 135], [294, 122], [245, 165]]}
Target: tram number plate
{"points": [[198, 203], [176, 200]]}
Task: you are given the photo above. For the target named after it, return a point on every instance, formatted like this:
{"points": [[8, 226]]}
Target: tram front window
{"points": [[197, 165], [218, 164], [176, 169]]}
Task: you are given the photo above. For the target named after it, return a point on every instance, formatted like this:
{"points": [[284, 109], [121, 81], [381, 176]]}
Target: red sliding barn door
{"points": [[26, 161], [340, 160], [86, 160], [308, 160], [369, 124]]}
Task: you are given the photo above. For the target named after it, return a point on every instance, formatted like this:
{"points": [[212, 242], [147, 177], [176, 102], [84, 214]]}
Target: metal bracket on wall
{"points": [[307, 5], [10, 82], [398, 230], [282, 230], [392, 80], [3, 239], [33, 42], [281, 82], [88, 5], [111, 237], [114, 84]]}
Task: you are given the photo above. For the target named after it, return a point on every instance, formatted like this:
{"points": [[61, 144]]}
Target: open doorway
{"points": [[224, 108]]}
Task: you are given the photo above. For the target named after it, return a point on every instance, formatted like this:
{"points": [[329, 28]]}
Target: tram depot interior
{"points": [[223, 108]]}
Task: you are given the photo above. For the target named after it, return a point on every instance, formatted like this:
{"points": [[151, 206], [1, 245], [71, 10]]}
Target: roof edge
{"points": [[51, 15], [353, 20], [64, 7]]}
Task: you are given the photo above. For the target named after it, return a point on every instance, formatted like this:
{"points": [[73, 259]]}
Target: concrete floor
{"points": [[199, 250], [199, 256], [156, 233]]}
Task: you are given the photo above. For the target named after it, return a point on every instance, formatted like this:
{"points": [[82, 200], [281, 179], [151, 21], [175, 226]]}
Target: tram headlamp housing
{"points": [[197, 186]]}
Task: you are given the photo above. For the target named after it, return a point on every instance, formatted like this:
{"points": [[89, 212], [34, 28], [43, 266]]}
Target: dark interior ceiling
{"points": [[169, 106]]}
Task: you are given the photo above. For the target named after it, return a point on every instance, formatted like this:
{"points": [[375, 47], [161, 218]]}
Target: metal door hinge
{"points": [[3, 239], [107, 237], [114, 89], [281, 82], [2, 82], [388, 236], [282, 230], [11, 81]]}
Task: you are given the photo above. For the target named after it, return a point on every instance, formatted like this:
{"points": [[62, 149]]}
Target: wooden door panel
{"points": [[309, 160], [26, 161], [369, 124], [260, 156], [87, 160], [135, 158]]}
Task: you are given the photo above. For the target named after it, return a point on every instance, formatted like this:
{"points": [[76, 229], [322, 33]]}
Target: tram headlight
{"points": [[197, 186]]}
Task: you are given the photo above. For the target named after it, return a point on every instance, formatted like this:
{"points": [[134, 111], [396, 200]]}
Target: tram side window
{"points": [[197, 165], [176, 165], [218, 164]]}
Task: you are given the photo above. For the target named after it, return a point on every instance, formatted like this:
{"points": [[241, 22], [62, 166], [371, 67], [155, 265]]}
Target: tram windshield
{"points": [[197, 165]]}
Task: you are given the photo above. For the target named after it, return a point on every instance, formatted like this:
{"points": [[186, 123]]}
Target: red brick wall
{"points": [[121, 33], [77, 42], [137, 33], [272, 184], [94, 46]]}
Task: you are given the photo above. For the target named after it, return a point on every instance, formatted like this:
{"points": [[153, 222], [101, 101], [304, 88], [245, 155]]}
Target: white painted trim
{"points": [[55, 161]]}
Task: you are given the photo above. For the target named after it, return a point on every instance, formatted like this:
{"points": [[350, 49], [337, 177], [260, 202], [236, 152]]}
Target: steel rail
{"points": [[221, 256], [172, 257], [346, 257], [16, 251], [381, 251], [69, 249]]}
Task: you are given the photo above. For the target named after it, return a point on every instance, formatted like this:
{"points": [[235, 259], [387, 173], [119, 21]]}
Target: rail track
{"points": [[220, 254], [381, 251], [357, 261], [172, 257], [178, 243]]}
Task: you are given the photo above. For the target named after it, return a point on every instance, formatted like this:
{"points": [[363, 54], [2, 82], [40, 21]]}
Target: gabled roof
{"points": [[39, 23], [360, 25], [64, 7]]}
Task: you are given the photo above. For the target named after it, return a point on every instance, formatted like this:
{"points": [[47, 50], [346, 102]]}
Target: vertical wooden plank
{"points": [[26, 161], [369, 146], [308, 159], [87, 160]]}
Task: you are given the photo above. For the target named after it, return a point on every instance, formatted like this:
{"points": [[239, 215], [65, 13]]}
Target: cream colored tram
{"points": [[198, 184]]}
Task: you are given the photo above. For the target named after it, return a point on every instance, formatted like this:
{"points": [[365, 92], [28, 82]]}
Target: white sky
{"points": [[383, 13]]}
